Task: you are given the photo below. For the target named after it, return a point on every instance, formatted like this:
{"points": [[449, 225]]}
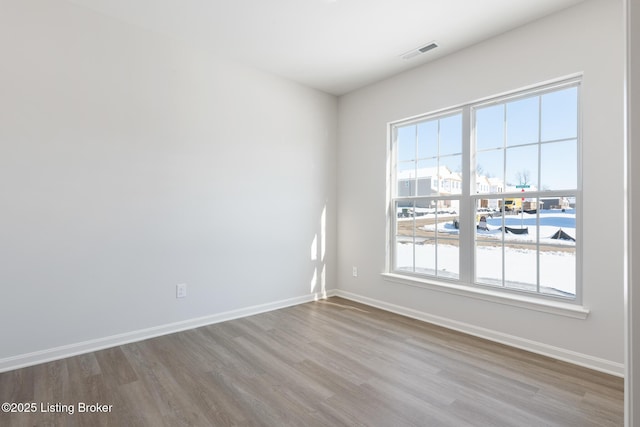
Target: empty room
{"points": [[317, 212]]}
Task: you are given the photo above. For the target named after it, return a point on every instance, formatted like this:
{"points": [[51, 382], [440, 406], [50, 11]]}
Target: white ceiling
{"points": [[332, 45]]}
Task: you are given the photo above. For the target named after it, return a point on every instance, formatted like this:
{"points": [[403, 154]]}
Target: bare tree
{"points": [[522, 177]]}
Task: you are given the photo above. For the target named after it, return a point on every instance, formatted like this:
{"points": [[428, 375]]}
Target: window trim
{"points": [[465, 284]]}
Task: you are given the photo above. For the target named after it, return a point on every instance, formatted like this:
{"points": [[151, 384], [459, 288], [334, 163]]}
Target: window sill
{"points": [[523, 301]]}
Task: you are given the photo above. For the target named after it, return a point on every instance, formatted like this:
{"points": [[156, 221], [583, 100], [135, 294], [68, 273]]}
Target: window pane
{"points": [[490, 127], [445, 219], [520, 221], [559, 169], [451, 135], [558, 271], [522, 166], [405, 177], [426, 256], [450, 175], [448, 256], [428, 139], [522, 121], [404, 222], [489, 208], [404, 255], [406, 143], [489, 170], [558, 245], [520, 265], [448, 259], [560, 114], [489, 237], [427, 177], [452, 163], [488, 262], [507, 237], [404, 236], [426, 221], [425, 235]]}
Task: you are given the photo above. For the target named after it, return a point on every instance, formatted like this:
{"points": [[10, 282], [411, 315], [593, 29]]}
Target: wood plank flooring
{"points": [[327, 363]]}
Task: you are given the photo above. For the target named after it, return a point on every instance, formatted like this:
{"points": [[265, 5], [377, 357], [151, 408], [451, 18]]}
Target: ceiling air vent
{"points": [[420, 50]]}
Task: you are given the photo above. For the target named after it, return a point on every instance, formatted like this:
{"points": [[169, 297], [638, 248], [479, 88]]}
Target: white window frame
{"points": [[465, 284]]}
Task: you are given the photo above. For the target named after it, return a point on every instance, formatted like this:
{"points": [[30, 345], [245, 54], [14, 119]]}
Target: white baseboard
{"points": [[43, 356], [48, 355], [576, 358]]}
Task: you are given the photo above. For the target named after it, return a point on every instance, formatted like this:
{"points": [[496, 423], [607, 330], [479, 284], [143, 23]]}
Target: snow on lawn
{"points": [[557, 268]]}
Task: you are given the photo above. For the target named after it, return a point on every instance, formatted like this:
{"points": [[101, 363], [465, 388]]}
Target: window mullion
{"points": [[413, 228], [467, 223], [537, 197]]}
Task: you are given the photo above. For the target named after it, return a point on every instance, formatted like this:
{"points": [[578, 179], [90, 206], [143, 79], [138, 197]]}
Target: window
{"points": [[488, 194], [429, 161]]}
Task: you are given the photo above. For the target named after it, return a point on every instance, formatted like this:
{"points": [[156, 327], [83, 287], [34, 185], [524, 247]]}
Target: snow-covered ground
{"points": [[550, 222], [557, 268]]}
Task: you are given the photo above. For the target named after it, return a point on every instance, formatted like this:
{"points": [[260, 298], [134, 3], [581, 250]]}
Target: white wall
{"points": [[130, 163], [559, 45]]}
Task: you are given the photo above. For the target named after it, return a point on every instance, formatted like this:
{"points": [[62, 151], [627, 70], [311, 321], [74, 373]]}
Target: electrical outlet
{"points": [[181, 290], [355, 271]]}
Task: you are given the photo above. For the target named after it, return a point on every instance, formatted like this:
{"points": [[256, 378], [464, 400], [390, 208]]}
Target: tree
{"points": [[522, 177]]}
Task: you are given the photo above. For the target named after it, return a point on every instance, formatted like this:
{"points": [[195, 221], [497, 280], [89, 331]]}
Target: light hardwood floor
{"points": [[327, 363]]}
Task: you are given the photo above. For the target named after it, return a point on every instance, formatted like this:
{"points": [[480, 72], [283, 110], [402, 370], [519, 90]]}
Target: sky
{"points": [[507, 138]]}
